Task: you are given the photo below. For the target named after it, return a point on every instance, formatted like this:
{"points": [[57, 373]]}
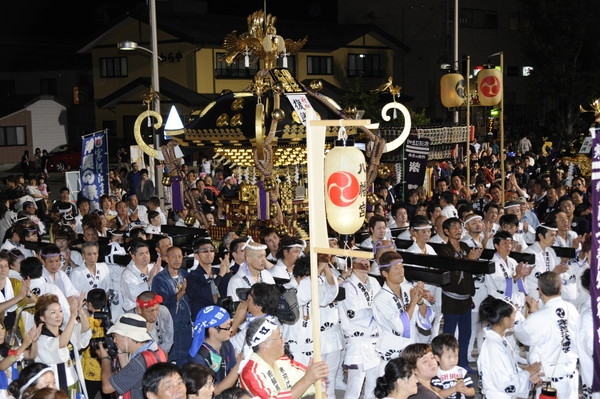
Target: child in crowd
{"points": [[452, 381]]}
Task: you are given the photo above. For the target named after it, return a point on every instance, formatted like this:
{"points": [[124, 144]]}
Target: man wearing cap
{"points": [[253, 270], [295, 380], [211, 346], [158, 318], [131, 338]]}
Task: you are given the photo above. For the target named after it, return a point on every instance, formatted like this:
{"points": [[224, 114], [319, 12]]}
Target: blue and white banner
{"points": [[94, 167]]}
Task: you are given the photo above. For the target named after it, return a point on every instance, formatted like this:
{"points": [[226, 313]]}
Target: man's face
{"points": [[552, 194], [378, 231], [64, 195], [548, 238], [205, 254], [395, 274], [135, 167], [84, 208], [504, 247], [90, 235], [567, 207], [257, 259], [90, 255], [162, 246], [291, 255], [272, 242], [174, 259], [495, 193], [442, 186], [401, 217], [474, 226], [52, 263], [133, 201], [455, 231], [238, 256], [169, 387], [511, 228], [149, 313], [514, 210], [491, 214], [141, 257]]}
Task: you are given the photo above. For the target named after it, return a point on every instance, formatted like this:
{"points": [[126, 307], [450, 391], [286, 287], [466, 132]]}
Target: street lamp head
{"points": [[127, 45]]}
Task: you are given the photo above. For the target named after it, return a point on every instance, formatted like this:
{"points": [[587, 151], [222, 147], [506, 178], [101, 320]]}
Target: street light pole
{"points": [[156, 100]]}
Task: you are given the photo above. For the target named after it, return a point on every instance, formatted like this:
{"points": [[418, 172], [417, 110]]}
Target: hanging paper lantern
{"points": [[452, 90], [489, 86], [345, 188]]}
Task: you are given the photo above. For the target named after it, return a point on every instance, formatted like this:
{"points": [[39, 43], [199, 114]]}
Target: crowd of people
{"points": [[107, 304]]}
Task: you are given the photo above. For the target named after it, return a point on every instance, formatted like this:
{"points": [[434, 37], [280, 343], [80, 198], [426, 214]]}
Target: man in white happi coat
{"points": [[399, 308], [546, 259], [550, 333], [360, 330], [301, 338], [253, 270], [507, 281], [474, 237], [421, 234]]}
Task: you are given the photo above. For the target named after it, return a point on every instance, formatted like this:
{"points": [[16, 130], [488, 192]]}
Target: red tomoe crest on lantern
{"points": [[489, 85], [342, 188]]}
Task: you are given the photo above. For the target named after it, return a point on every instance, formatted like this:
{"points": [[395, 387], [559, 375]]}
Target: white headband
{"points": [[548, 227], [472, 217], [511, 206], [253, 245], [260, 336], [34, 379], [425, 226]]}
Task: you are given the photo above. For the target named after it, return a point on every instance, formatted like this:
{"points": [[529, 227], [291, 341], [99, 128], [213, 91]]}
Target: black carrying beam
{"points": [[428, 275], [438, 262], [564, 252], [518, 256]]}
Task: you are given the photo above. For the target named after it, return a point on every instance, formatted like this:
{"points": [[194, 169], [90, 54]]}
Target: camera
{"points": [[229, 305], [107, 341]]}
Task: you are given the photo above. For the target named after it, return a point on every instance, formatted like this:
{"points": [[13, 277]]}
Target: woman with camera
{"points": [[62, 345]]}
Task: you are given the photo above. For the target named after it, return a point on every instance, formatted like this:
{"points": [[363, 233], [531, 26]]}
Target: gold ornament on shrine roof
{"points": [[260, 41]]}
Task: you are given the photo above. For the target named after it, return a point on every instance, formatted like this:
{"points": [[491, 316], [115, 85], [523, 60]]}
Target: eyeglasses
{"points": [[224, 329], [206, 251]]}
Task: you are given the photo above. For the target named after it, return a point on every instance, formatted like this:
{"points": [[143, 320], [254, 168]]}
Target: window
{"points": [[113, 67], [366, 65], [12, 136], [7, 88], [48, 86], [319, 65], [291, 63], [478, 19], [237, 69]]}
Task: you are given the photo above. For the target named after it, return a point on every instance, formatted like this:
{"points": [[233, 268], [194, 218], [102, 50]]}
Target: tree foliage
{"points": [[563, 45]]}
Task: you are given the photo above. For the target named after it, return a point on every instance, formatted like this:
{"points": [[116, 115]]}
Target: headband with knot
{"points": [[149, 303]]}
